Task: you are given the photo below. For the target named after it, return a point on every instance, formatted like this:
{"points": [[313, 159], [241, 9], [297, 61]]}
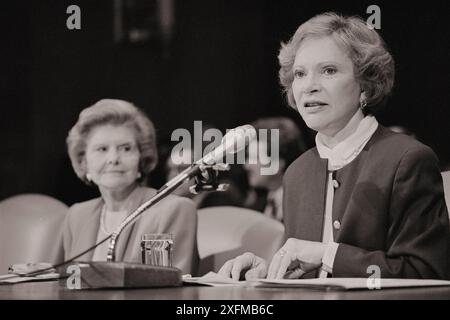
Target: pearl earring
{"points": [[88, 177], [363, 104], [138, 175]]}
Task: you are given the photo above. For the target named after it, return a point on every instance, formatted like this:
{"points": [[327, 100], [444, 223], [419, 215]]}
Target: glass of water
{"points": [[157, 250]]}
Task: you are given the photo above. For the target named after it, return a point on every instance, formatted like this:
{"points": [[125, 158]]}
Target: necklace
{"points": [[102, 221], [115, 218]]}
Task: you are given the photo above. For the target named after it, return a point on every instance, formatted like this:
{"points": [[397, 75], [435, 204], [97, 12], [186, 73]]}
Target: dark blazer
{"points": [[389, 209], [174, 215]]}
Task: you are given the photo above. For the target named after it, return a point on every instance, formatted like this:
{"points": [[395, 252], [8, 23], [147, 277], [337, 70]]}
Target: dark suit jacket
{"points": [[176, 215], [390, 207]]}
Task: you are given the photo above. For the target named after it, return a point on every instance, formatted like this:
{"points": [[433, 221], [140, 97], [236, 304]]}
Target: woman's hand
{"points": [[295, 258], [253, 266]]}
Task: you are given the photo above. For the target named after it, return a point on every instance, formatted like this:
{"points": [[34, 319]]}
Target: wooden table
{"points": [[54, 290]]}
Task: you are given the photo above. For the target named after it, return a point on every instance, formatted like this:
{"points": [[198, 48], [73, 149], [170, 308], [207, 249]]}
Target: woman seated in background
{"points": [[113, 146], [365, 198]]}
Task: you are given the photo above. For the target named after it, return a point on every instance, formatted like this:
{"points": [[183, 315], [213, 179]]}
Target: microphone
{"points": [[234, 141], [122, 274]]}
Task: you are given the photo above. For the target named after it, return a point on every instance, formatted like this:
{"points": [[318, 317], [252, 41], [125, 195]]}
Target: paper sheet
{"points": [[349, 283], [213, 279], [13, 278]]}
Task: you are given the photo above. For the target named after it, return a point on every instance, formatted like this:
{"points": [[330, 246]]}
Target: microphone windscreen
{"points": [[235, 140], [238, 138]]}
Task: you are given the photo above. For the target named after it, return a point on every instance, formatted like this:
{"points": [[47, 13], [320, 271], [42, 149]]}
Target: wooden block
{"points": [[127, 275]]}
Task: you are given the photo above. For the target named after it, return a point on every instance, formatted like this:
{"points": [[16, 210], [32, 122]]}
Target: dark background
{"points": [[219, 66]]}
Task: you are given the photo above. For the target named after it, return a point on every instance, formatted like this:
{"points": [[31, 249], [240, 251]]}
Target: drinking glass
{"points": [[156, 249]]}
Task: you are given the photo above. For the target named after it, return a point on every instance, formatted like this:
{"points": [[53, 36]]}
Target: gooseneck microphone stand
{"points": [[163, 192]]}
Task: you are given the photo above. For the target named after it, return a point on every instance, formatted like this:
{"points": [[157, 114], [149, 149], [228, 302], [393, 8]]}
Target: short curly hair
{"points": [[117, 113], [373, 64]]}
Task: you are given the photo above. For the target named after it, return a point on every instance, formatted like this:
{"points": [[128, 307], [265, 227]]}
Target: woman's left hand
{"points": [[295, 258]]}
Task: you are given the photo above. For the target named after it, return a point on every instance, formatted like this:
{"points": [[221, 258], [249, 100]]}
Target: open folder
{"points": [[213, 279]]}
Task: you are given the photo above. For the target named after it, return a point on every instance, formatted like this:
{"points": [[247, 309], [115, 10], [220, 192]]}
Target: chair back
{"points": [[225, 232], [446, 181], [30, 229]]}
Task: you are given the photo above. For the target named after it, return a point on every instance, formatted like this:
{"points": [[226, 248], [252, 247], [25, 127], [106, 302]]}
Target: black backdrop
{"points": [[219, 67]]}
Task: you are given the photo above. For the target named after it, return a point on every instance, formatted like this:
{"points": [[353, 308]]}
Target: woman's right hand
{"points": [[253, 266]]}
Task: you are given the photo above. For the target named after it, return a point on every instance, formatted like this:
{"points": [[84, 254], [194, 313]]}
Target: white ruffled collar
{"points": [[347, 150]]}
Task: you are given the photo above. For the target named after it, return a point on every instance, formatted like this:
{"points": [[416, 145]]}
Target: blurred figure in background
{"points": [[266, 193]]}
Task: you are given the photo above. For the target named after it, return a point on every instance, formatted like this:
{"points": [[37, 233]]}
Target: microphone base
{"points": [[97, 275]]}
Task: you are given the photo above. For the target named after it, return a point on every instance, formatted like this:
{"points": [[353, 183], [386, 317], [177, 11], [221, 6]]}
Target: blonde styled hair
{"points": [[117, 113], [373, 64]]}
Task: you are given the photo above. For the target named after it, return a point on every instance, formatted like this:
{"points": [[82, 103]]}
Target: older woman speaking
{"points": [[113, 147], [365, 198]]}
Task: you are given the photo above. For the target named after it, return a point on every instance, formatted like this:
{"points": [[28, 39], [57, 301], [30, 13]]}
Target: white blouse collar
{"points": [[347, 150]]}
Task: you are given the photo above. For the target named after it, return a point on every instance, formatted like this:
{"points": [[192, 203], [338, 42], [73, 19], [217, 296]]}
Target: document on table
{"points": [[349, 283], [18, 273], [213, 279], [13, 278]]}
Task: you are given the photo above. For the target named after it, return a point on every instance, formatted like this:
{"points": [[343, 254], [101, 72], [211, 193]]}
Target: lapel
{"points": [[137, 198], [317, 178], [307, 200], [88, 231]]}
